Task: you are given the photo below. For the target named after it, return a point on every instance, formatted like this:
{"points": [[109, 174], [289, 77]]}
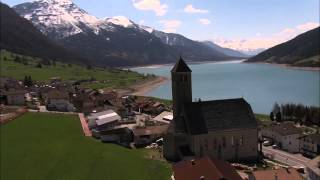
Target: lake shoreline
{"points": [[288, 66], [188, 62], [143, 87]]}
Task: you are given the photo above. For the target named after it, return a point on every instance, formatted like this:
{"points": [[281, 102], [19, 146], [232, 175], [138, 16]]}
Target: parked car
{"points": [[267, 143], [275, 146]]}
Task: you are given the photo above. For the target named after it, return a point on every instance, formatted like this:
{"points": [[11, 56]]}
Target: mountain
{"points": [[20, 36], [226, 51], [189, 48], [115, 41], [303, 50]]}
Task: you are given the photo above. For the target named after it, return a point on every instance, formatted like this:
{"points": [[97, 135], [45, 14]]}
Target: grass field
{"points": [[108, 78], [42, 146]]}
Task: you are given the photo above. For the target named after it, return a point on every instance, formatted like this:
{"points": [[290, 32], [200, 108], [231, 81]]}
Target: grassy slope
{"points": [[50, 146], [113, 78]]}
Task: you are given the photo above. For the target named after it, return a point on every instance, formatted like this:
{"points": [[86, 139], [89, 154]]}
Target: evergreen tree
{"points": [[271, 116], [276, 108], [278, 117], [39, 65]]}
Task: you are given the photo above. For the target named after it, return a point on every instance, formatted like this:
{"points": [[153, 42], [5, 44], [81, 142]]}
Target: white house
{"points": [[103, 120], [285, 135], [165, 117]]}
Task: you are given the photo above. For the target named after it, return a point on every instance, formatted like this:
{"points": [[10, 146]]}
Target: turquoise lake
{"points": [[260, 84]]}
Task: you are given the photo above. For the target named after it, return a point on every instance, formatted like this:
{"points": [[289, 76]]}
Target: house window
{"points": [[224, 142], [241, 141], [232, 140], [214, 143], [206, 144]]}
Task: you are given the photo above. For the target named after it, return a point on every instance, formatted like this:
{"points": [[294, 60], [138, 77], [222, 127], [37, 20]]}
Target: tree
{"points": [[17, 59], [271, 116], [39, 65], [89, 67], [278, 117], [276, 108], [28, 81]]}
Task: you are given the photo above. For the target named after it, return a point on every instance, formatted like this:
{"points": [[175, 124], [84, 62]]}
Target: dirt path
{"points": [[84, 125]]}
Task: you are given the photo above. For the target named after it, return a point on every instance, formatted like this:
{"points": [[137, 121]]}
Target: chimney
{"points": [[202, 178], [275, 176], [193, 162]]}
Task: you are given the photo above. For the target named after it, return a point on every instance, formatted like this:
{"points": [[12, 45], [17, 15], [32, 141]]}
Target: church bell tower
{"points": [[181, 92]]}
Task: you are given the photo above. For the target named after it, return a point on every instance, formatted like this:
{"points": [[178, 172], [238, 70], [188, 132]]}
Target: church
{"points": [[223, 129]]}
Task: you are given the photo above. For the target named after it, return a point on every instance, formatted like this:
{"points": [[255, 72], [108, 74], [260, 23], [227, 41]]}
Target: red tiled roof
{"points": [[210, 169], [282, 174]]}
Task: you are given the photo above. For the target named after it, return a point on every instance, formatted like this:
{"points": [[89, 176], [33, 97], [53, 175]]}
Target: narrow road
{"points": [[285, 157], [84, 125]]}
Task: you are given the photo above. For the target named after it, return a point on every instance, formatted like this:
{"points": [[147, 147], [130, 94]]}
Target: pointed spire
{"points": [[181, 66]]}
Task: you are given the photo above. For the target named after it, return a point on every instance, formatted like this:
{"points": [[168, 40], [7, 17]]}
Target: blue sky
{"points": [[239, 24]]}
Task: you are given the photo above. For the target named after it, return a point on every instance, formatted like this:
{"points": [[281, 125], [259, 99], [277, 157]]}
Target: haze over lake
{"points": [[260, 84]]}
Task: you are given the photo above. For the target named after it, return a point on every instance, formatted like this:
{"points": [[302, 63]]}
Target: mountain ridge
{"points": [[303, 50], [116, 41], [20, 36]]}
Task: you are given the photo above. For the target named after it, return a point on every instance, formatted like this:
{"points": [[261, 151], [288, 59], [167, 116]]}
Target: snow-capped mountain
{"points": [[62, 18], [112, 40]]}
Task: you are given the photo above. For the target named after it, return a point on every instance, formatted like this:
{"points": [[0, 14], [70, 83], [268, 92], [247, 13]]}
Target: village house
{"points": [[119, 135], [88, 100], [313, 169], [15, 97], [103, 120], [58, 101], [276, 174], [8, 83], [204, 169], [285, 135], [146, 135], [222, 129], [164, 117], [310, 145]]}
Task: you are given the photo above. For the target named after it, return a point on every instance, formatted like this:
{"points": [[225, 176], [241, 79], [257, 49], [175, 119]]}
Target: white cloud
{"points": [[170, 26], [259, 42], [307, 26], [141, 22], [190, 9], [205, 21], [151, 5]]}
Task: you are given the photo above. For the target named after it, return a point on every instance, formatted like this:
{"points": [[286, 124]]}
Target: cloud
{"points": [[170, 26], [151, 5], [205, 21], [190, 9], [307, 26], [260, 42], [141, 22]]}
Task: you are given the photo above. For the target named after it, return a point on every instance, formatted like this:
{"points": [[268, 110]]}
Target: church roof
{"points": [[181, 66], [203, 117]]}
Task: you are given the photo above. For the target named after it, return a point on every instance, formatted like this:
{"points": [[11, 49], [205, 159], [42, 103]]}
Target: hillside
{"points": [[27, 66], [303, 50], [20, 36]]}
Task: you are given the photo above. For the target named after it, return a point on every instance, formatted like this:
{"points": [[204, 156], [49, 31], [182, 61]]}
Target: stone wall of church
{"points": [[236, 144]]}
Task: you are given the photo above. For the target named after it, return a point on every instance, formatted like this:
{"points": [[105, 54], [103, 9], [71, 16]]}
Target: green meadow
{"points": [[42, 146]]}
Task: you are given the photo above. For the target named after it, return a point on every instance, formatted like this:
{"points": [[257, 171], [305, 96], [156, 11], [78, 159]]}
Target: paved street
{"points": [[285, 157]]}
